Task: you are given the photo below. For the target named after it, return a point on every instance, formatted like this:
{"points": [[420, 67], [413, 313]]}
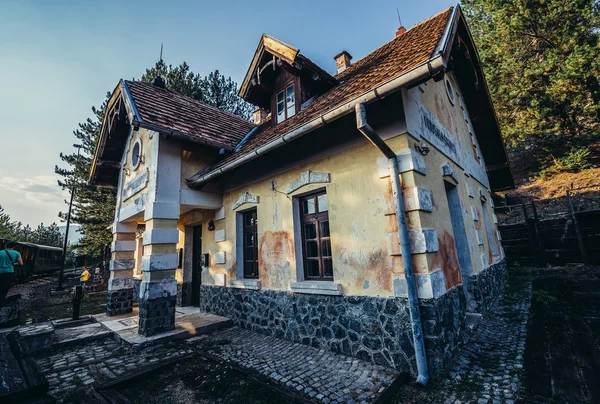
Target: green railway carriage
{"points": [[37, 259]]}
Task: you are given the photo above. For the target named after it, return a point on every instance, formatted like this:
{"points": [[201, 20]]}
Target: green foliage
{"points": [[544, 298], [179, 78], [222, 92], [576, 160], [94, 207], [542, 63], [15, 231]]}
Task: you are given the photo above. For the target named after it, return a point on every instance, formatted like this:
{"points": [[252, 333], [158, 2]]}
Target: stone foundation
{"points": [[375, 329], [119, 301], [184, 294], [487, 285], [136, 289], [157, 315]]}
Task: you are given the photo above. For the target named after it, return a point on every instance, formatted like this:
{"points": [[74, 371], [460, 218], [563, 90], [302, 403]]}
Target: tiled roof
{"points": [[396, 57], [175, 112]]}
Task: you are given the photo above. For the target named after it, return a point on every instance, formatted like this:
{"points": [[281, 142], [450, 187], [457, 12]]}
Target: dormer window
{"points": [[286, 103]]}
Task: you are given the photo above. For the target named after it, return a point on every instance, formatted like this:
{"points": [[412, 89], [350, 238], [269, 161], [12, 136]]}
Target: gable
{"points": [[137, 104], [273, 58]]}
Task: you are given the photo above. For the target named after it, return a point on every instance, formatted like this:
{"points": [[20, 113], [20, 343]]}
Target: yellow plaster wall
{"points": [[361, 260], [435, 98], [146, 137]]}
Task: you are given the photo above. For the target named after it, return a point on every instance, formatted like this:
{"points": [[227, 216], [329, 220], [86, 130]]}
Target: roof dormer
{"points": [[281, 80]]}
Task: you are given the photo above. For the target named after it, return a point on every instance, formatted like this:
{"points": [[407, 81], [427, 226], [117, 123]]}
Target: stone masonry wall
{"points": [[487, 285], [375, 329], [157, 315], [119, 301], [184, 294], [136, 289]]}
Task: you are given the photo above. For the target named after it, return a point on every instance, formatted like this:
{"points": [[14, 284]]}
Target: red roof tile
{"points": [[176, 112], [393, 59]]}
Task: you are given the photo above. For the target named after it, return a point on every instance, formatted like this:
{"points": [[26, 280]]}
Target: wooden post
{"points": [[530, 236], [577, 230], [540, 238]]}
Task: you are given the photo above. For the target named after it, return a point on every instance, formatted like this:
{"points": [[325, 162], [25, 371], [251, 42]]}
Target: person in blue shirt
{"points": [[8, 258]]}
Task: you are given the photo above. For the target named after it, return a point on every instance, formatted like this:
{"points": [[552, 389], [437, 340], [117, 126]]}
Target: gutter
{"points": [[434, 65], [413, 301]]}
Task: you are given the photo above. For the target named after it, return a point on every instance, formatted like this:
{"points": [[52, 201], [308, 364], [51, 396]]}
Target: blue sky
{"points": [[58, 58]]}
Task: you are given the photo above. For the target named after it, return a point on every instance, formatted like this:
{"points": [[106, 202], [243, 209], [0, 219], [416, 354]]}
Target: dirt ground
{"points": [[40, 302]]}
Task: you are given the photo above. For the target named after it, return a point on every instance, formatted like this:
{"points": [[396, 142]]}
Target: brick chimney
{"points": [[342, 61], [259, 115], [400, 31]]}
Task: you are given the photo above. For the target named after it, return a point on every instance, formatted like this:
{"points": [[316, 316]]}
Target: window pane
{"points": [[249, 256], [326, 248], [249, 219], [327, 267], [249, 268], [312, 268], [290, 95], [249, 239], [312, 250], [309, 206], [310, 230], [280, 107], [290, 101], [323, 203], [325, 228]]}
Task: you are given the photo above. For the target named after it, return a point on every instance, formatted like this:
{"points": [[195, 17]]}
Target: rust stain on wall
{"points": [[232, 271], [275, 255], [376, 263], [447, 258]]}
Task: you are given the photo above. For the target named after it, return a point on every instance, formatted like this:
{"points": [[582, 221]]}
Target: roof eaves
{"points": [[102, 139], [183, 136], [129, 100]]}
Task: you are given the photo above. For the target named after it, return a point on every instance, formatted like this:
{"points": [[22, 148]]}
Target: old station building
{"points": [[289, 224]]}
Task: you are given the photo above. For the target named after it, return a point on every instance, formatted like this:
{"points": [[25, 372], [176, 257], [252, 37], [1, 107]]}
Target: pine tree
{"points": [[180, 79], [542, 63], [93, 207], [7, 227], [222, 92]]}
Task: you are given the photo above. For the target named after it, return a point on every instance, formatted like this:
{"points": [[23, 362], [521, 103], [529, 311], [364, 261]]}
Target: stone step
{"points": [[81, 334]]}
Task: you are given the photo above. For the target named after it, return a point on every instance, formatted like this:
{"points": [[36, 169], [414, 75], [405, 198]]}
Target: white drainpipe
{"points": [[413, 300]]}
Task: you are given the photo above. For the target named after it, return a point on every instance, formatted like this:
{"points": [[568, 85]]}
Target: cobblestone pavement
{"points": [[98, 361], [489, 368], [320, 375]]}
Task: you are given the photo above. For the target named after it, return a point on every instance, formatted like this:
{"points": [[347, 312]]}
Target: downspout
{"points": [[413, 300]]}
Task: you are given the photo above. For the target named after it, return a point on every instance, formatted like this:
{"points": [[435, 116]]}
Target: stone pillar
{"points": [[122, 263], [158, 290]]}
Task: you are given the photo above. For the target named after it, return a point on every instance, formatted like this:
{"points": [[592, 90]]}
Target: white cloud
{"points": [[32, 200]]}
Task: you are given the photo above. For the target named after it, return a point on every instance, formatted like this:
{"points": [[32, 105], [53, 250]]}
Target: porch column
{"points": [[158, 290], [122, 263]]}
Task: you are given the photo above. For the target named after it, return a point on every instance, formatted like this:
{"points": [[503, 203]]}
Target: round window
{"points": [[450, 91], [136, 154]]}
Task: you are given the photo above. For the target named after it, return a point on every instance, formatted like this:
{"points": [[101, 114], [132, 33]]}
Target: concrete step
{"points": [[81, 334]]}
